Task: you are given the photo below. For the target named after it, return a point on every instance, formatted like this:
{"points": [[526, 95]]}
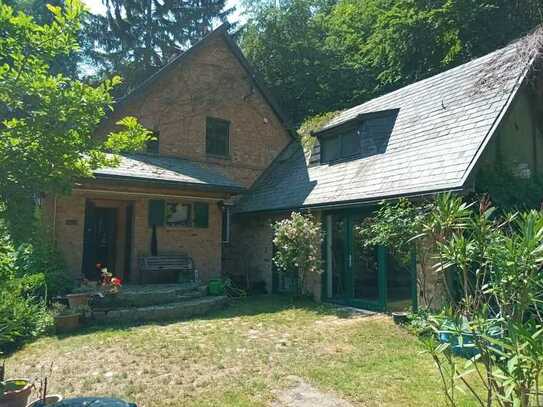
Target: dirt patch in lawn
{"points": [[302, 394]]}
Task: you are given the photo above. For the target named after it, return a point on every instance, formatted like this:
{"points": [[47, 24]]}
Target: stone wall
{"points": [[211, 82]]}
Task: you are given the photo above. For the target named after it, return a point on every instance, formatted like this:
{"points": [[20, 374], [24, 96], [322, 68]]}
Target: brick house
{"points": [[225, 166], [217, 131]]}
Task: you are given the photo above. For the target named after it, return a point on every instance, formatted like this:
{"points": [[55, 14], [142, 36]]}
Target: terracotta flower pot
{"points": [[78, 299], [18, 397], [49, 400], [66, 323]]}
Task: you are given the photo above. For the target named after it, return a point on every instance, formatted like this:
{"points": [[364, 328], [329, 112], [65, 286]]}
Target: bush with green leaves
{"points": [[28, 276], [298, 240], [496, 313]]}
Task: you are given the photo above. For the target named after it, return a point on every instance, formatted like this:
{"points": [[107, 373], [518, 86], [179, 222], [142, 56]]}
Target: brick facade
{"points": [[202, 244], [210, 82]]}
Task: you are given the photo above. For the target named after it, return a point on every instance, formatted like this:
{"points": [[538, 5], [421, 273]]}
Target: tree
{"points": [[47, 119], [137, 37], [66, 64], [284, 43], [319, 56]]}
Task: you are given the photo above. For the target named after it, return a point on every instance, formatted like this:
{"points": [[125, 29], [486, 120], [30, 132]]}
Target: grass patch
{"points": [[240, 356]]}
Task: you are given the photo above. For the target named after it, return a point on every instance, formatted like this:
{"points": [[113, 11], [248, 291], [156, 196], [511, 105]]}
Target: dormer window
{"points": [[365, 136], [342, 145], [217, 137]]}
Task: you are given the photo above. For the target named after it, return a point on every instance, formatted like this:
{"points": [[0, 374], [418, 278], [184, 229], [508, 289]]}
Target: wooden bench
{"points": [[170, 269]]}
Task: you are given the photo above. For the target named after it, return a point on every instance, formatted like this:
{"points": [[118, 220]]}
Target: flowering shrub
{"points": [[297, 241]]}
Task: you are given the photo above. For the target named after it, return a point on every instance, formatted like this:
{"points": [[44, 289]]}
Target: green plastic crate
{"points": [[215, 287]]}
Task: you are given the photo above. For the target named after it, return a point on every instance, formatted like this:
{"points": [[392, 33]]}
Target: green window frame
{"points": [[178, 214], [217, 137], [340, 146]]}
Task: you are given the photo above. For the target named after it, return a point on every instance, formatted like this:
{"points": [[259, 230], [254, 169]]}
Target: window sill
{"points": [[219, 157]]}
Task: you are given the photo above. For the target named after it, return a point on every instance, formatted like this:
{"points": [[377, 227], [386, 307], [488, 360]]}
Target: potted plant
{"points": [[81, 295], [66, 319], [15, 392], [45, 399], [109, 283]]}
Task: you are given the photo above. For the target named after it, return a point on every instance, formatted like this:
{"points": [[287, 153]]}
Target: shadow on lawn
{"points": [[250, 306]]}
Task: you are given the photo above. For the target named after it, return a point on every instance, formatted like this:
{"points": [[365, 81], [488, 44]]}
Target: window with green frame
{"points": [[217, 137], [340, 146], [366, 137]]}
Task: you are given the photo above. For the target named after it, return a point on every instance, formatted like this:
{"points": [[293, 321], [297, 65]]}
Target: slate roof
{"points": [[167, 170], [441, 128]]}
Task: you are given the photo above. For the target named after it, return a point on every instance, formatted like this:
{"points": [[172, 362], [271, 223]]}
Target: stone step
{"points": [[145, 296], [174, 311]]}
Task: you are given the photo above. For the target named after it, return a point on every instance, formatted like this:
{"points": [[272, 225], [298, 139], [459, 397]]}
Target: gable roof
{"points": [[443, 124], [167, 171], [222, 30]]}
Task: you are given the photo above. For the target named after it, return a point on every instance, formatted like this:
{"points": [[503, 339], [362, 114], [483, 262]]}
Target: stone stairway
{"points": [[158, 302]]}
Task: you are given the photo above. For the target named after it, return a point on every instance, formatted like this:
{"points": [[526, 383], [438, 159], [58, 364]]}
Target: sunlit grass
{"points": [[240, 357]]}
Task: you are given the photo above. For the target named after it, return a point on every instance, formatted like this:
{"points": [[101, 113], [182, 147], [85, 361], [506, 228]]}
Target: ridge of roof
{"points": [[222, 30]]}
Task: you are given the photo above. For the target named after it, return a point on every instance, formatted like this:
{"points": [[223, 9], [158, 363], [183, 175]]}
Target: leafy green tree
{"points": [[137, 37], [319, 56], [66, 64], [285, 43], [47, 119]]}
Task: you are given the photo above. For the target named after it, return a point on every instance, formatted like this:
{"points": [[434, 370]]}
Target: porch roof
{"points": [[167, 170]]}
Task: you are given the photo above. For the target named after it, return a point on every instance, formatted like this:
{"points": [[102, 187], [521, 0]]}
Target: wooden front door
{"points": [[100, 240]]}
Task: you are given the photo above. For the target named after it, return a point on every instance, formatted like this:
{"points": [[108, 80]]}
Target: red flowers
{"points": [[110, 284]]}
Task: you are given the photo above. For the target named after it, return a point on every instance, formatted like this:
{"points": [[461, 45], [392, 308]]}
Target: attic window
{"points": [[341, 145], [217, 137], [366, 137]]}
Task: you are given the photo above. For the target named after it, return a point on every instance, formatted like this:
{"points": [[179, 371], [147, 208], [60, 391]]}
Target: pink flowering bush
{"points": [[298, 240]]}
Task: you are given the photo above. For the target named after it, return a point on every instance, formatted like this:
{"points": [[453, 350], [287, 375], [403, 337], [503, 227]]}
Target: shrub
{"points": [[297, 241], [21, 318], [496, 319], [24, 275]]}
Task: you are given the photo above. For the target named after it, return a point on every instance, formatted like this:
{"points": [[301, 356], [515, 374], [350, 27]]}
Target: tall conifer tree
{"points": [[135, 38]]}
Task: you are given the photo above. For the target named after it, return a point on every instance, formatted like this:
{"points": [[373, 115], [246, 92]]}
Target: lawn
{"points": [[242, 356]]}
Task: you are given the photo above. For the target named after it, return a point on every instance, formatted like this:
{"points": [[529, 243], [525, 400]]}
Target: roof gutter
{"points": [[358, 203], [121, 179]]}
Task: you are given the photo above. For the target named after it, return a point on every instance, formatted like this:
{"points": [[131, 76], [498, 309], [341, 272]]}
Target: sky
{"points": [[96, 7]]}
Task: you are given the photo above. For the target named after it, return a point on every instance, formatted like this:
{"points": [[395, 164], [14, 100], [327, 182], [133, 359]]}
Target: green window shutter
{"points": [[156, 212], [201, 215]]}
